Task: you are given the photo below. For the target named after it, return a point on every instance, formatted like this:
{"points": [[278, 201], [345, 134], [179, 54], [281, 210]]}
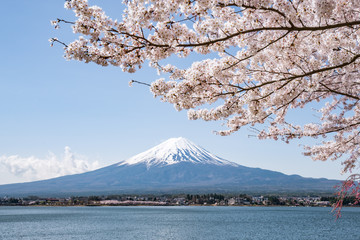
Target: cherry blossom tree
{"points": [[261, 58]]}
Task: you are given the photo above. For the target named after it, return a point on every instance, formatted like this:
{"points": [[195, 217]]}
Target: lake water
{"points": [[177, 223]]}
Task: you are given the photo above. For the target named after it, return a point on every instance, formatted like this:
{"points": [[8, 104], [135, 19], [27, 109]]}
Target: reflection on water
{"points": [[176, 223]]}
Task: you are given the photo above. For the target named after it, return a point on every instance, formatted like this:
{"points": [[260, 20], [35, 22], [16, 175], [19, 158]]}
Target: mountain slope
{"points": [[176, 165]]}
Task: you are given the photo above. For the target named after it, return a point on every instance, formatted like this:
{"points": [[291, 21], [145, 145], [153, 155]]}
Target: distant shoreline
{"points": [[242, 200], [165, 206]]}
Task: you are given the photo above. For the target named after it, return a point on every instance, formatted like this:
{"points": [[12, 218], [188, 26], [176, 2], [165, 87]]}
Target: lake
{"points": [[177, 223]]}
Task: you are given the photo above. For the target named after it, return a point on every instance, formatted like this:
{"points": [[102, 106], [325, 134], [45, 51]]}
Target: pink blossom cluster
{"points": [[272, 56]]}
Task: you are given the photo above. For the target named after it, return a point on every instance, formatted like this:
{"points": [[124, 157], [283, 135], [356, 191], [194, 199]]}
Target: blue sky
{"points": [[48, 103]]}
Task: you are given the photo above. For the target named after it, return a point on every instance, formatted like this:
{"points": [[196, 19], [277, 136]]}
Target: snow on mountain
{"points": [[173, 151]]}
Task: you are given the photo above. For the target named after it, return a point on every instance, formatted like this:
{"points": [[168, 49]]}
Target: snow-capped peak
{"points": [[175, 150]]}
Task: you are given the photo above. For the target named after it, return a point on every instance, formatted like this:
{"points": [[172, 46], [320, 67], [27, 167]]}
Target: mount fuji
{"points": [[174, 166]]}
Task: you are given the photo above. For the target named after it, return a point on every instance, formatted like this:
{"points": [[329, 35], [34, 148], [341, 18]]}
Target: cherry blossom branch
{"points": [[142, 83]]}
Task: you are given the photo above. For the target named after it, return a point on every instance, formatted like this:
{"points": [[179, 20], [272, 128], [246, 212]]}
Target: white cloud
{"points": [[33, 168]]}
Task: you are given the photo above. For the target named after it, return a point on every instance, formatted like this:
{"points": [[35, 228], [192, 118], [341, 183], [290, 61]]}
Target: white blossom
{"points": [[272, 56]]}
